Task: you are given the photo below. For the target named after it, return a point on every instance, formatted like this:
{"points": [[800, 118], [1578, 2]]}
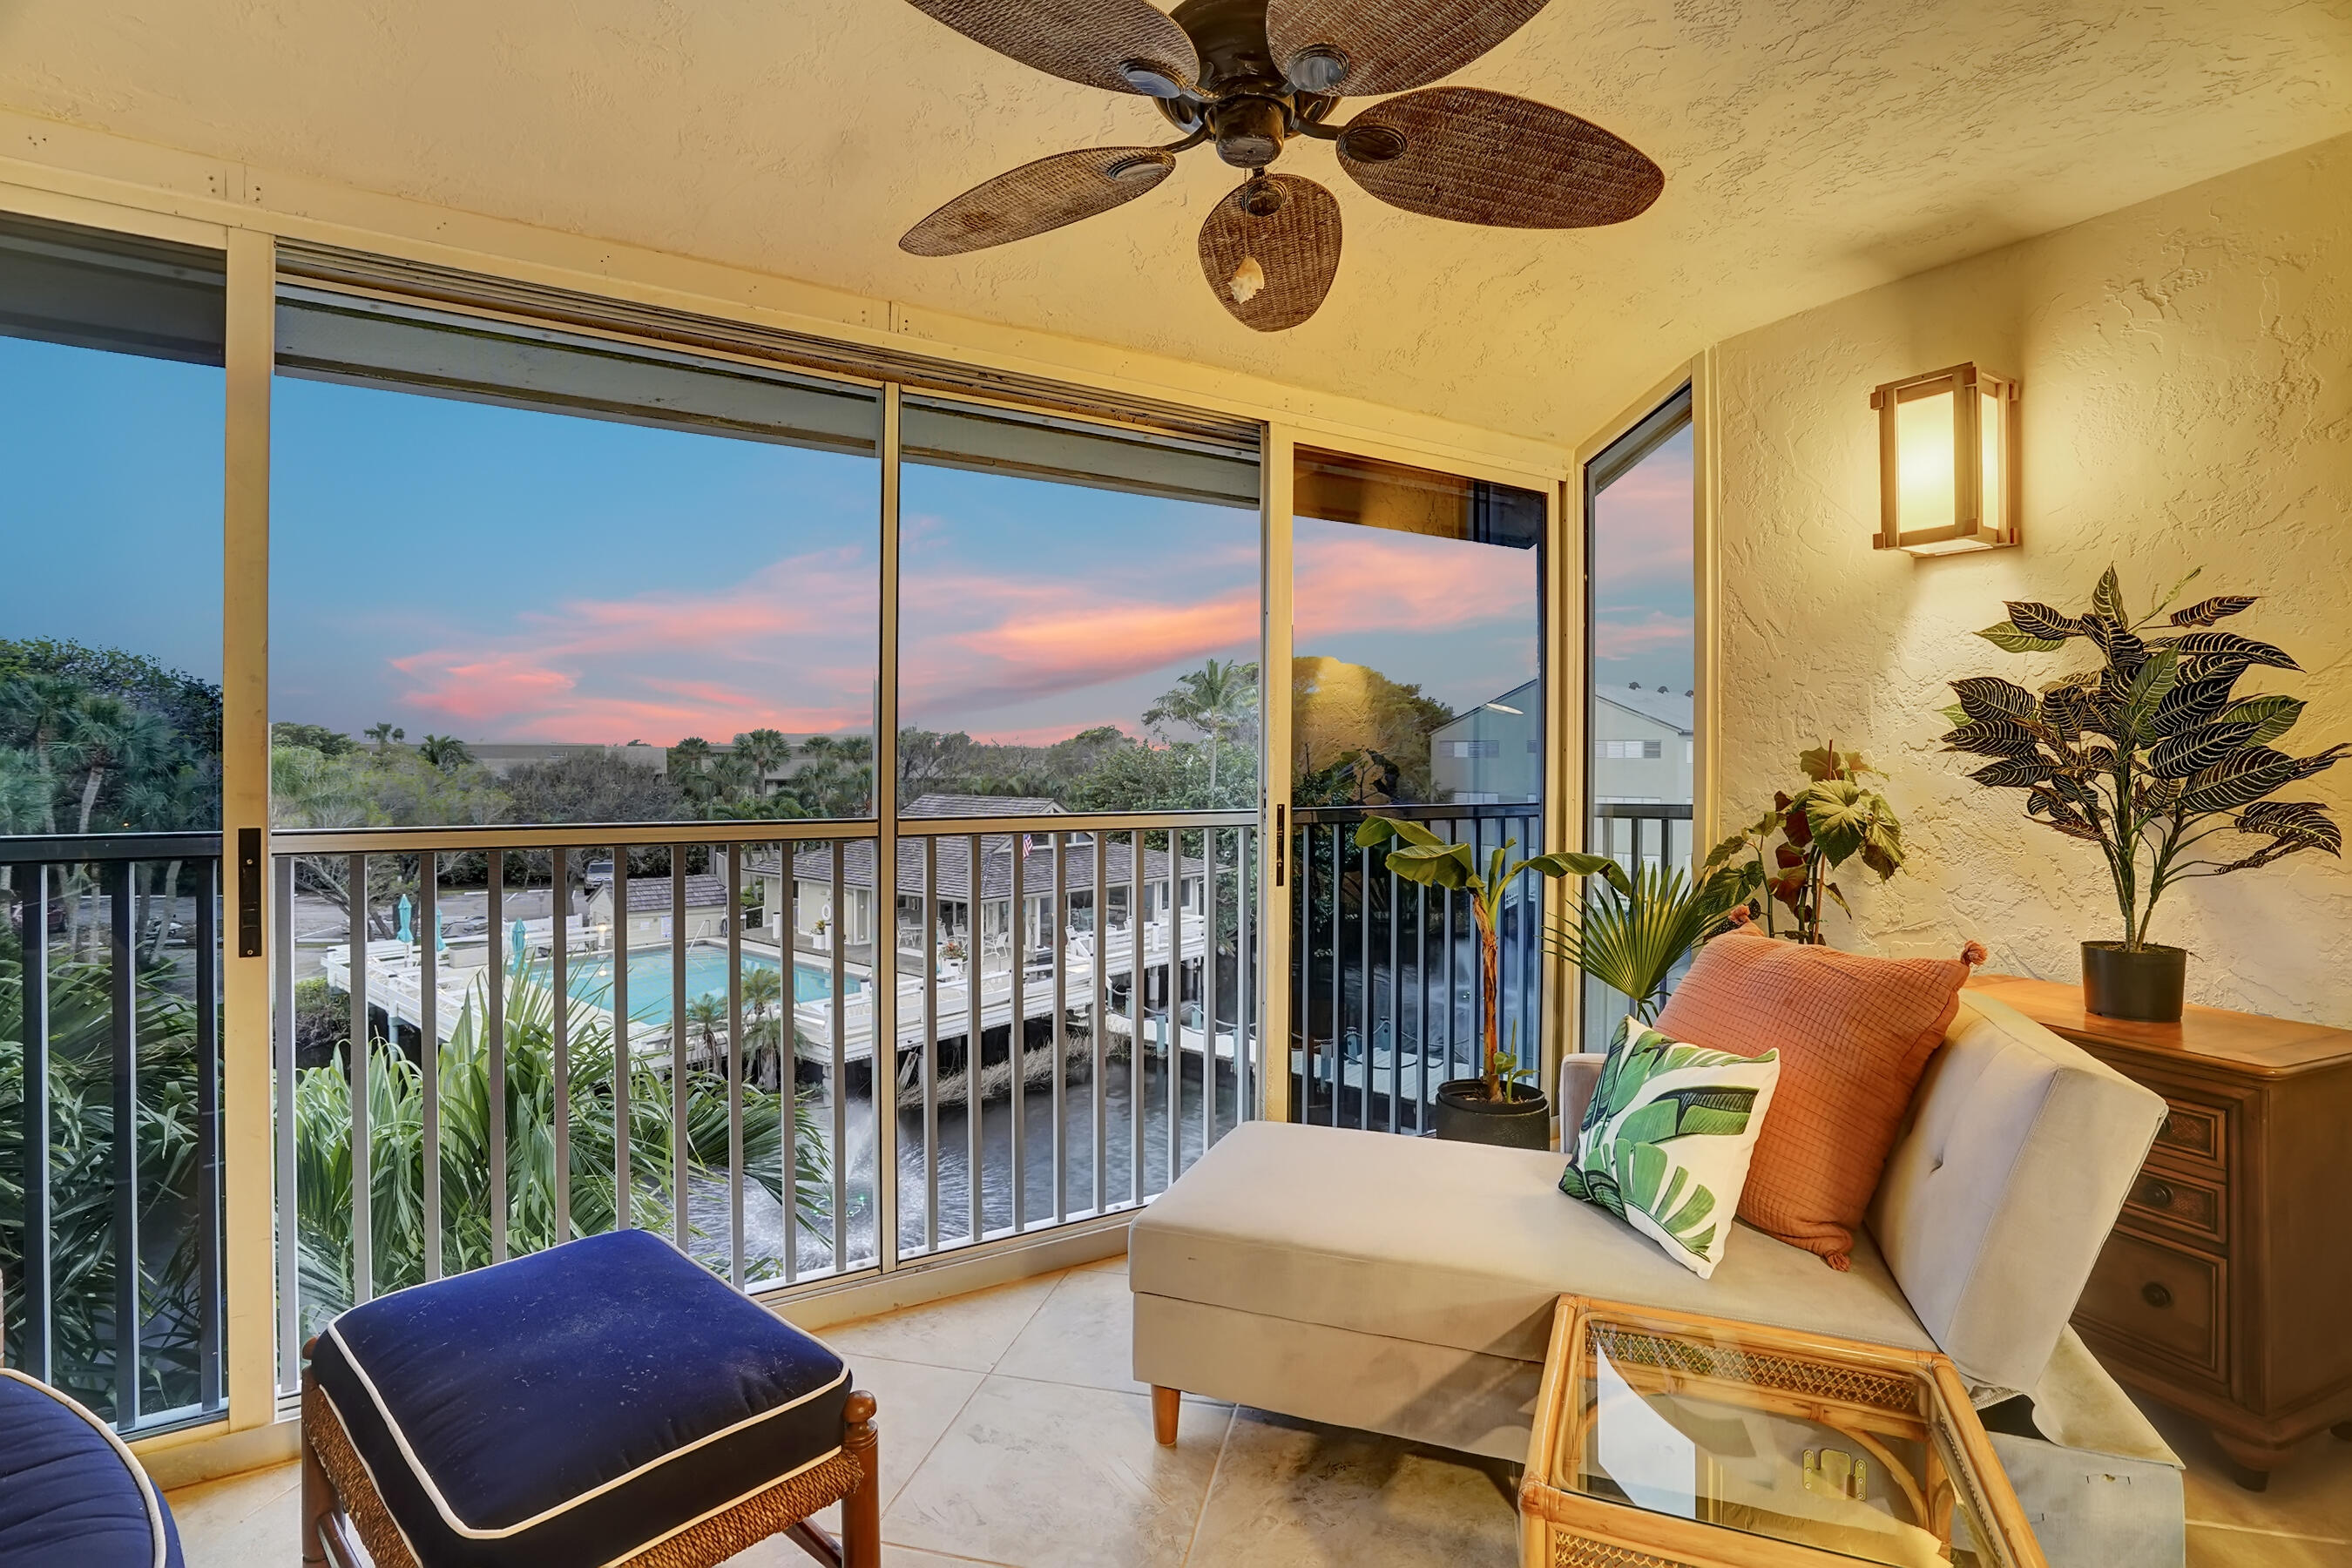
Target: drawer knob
{"points": [[2159, 1195], [2155, 1295]]}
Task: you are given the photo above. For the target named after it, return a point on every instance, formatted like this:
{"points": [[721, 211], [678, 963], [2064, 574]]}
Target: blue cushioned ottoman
{"points": [[603, 1402], [70, 1492]]}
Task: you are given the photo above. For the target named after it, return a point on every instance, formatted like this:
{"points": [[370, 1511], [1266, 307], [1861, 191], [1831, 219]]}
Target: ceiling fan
{"points": [[1250, 75]]}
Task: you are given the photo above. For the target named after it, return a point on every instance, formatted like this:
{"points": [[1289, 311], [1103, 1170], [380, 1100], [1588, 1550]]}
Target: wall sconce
{"points": [[1946, 462]]}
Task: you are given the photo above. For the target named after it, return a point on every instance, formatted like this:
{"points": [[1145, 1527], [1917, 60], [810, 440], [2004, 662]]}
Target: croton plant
{"points": [[2152, 752]]}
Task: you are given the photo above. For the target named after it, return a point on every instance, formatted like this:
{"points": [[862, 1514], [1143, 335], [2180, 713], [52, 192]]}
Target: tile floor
{"points": [[1012, 1435]]}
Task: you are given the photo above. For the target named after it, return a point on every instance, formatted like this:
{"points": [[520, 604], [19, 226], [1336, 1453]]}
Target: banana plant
{"points": [[1433, 862], [2152, 752]]}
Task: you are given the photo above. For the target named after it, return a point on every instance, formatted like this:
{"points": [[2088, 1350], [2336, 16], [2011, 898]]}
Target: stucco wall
{"points": [[2186, 374]]}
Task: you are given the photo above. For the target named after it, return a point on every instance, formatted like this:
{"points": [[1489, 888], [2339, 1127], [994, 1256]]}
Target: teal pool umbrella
{"points": [[403, 907], [440, 942], [522, 947]]}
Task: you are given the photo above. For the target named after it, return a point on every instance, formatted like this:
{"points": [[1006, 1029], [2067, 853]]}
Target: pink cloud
{"points": [[1617, 639]]}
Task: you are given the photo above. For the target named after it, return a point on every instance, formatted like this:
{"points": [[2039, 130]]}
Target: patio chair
{"points": [[71, 1491], [605, 1402]]}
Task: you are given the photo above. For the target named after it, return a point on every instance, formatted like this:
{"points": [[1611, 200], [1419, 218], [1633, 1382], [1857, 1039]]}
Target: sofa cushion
{"points": [[1456, 1244], [575, 1405], [70, 1492], [2004, 1186], [1665, 1141], [1852, 1034]]}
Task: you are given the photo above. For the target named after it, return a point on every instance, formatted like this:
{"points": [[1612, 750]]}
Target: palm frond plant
{"points": [[1433, 862], [1834, 818], [2152, 754], [1632, 939], [395, 1121], [82, 1254]]}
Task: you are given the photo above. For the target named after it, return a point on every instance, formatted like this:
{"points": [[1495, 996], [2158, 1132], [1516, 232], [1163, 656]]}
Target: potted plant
{"points": [[1833, 819], [1496, 1107], [2148, 755], [1632, 938]]}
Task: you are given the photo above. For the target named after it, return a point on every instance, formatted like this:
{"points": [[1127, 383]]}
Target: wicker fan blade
{"points": [[1127, 46], [1355, 49], [1039, 197], [1270, 250], [1474, 156]]}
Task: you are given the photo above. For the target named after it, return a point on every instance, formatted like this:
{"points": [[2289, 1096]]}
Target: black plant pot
{"points": [[2144, 986], [1465, 1115]]}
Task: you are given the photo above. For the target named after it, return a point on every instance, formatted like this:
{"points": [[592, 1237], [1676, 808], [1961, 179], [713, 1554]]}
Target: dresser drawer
{"points": [[2195, 1131], [2165, 1300], [2164, 1197]]}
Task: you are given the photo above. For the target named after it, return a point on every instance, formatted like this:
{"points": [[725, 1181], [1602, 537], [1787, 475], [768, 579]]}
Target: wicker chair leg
{"points": [[317, 1494], [861, 1510]]}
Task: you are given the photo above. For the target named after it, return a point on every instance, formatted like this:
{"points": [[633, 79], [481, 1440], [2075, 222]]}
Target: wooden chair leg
{"points": [[317, 1494], [861, 1510], [1165, 1403]]}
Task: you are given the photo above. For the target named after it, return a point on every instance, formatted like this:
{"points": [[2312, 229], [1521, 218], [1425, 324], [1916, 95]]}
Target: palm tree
{"points": [[1215, 699], [766, 750], [708, 1013], [42, 708], [445, 751], [384, 734]]}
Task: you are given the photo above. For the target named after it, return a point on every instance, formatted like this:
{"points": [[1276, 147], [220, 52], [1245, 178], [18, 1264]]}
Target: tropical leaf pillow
{"points": [[1666, 1140]]}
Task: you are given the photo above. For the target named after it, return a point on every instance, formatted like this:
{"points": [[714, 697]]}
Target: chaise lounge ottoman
{"points": [[604, 1401], [1406, 1285]]}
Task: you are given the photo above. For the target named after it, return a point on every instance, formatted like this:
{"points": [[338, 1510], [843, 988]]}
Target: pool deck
{"points": [[395, 983]]}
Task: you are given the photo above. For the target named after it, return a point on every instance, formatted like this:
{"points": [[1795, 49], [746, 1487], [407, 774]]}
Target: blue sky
{"points": [[111, 501], [500, 574]]}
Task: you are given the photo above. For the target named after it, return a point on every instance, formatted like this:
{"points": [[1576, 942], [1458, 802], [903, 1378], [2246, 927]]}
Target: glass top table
{"points": [[1665, 1438]]}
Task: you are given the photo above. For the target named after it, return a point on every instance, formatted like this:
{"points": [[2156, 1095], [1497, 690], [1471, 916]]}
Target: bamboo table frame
{"points": [[1868, 1394]]}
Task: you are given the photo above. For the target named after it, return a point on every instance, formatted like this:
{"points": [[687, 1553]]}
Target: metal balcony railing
{"points": [[682, 1027], [1386, 984], [109, 1019], [1636, 833]]}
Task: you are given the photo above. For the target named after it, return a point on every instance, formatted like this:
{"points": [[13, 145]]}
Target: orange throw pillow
{"points": [[1855, 1033]]}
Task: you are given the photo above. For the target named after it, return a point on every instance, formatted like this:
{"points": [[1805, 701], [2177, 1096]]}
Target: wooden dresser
{"points": [[2226, 1289]]}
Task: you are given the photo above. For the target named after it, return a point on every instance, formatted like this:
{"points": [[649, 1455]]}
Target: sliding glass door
{"points": [[1416, 689], [1641, 697]]}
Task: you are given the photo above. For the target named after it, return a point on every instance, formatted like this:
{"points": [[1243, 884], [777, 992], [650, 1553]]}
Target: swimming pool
{"points": [[591, 979]]}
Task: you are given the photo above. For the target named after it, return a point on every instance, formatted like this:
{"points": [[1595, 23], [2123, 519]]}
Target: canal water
{"points": [[763, 1220]]}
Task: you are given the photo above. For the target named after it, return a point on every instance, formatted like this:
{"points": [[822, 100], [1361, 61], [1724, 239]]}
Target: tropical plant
{"points": [[1217, 698], [1432, 862], [445, 751], [1833, 819], [395, 1121], [1632, 939], [2153, 751], [82, 1254], [384, 734]]}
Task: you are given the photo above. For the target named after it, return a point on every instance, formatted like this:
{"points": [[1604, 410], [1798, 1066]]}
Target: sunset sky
{"points": [[503, 574]]}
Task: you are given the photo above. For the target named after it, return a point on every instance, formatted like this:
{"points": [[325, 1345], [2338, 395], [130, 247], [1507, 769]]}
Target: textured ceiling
{"points": [[1811, 148]]}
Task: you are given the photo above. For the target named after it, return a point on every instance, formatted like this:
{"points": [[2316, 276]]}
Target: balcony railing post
{"points": [[678, 1149], [429, 1028], [624, 1051], [495, 980], [1099, 967], [286, 1200], [130, 1316], [34, 1284], [975, 1037], [358, 1057], [558, 992], [735, 1072]]}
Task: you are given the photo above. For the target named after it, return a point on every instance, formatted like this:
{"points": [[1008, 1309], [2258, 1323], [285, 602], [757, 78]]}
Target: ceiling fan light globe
{"points": [[1371, 143], [1265, 199], [1150, 78], [1318, 68]]}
